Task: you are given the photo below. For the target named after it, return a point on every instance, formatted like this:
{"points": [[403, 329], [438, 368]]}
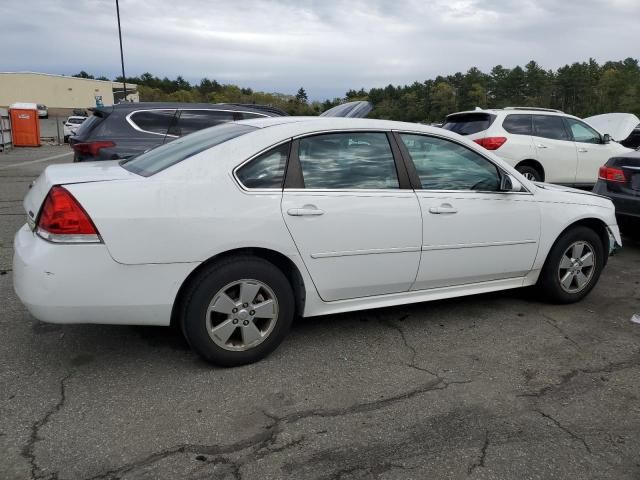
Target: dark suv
{"points": [[128, 129]]}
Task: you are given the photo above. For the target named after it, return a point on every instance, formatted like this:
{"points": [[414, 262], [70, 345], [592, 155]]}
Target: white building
{"points": [[59, 91]]}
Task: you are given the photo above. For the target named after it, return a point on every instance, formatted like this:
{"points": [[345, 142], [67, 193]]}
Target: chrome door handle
{"points": [[445, 208], [307, 210], [583, 150], [540, 145]]}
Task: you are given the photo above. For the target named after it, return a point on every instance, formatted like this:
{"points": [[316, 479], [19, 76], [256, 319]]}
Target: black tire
{"points": [[530, 173], [549, 282], [210, 281]]}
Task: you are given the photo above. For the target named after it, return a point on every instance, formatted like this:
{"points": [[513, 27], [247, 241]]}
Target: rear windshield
{"points": [[76, 121], [88, 124], [468, 123], [153, 161]]}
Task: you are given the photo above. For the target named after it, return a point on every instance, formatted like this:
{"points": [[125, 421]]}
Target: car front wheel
{"points": [[238, 311], [573, 266]]}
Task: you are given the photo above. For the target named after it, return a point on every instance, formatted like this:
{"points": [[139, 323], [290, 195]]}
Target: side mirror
{"points": [[509, 184], [606, 138]]}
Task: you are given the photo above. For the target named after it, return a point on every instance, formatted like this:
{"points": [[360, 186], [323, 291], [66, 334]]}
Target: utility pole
{"points": [[124, 83]]}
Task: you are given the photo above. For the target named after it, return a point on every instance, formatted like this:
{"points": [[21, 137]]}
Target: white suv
{"points": [[542, 144]]}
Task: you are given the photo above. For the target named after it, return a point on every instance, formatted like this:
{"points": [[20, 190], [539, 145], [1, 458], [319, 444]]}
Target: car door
{"points": [[592, 152], [472, 232], [352, 214], [555, 149]]}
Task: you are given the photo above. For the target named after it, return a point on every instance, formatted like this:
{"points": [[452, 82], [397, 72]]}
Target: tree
{"points": [[443, 101], [82, 74], [301, 96]]}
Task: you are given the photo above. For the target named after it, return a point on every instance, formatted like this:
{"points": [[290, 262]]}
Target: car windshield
{"points": [[76, 121], [153, 161]]}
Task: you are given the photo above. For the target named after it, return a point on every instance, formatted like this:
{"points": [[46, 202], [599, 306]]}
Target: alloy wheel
{"points": [[241, 315], [577, 267]]}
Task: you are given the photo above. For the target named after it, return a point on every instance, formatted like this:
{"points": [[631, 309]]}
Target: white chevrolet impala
{"points": [[232, 231]]}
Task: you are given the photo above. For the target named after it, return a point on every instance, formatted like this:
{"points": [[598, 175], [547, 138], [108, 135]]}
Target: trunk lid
{"points": [[630, 166], [69, 173], [618, 125]]}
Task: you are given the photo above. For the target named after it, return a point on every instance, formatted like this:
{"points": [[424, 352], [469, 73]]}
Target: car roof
{"points": [[516, 111], [310, 124]]}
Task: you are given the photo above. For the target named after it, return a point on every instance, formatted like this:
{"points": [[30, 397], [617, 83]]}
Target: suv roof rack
{"points": [[537, 109]]}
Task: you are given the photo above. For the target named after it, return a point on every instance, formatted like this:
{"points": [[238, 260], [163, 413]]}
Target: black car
{"points": [[128, 129], [619, 179]]}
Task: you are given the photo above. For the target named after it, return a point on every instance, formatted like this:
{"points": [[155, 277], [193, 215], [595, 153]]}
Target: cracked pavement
{"points": [[486, 387]]}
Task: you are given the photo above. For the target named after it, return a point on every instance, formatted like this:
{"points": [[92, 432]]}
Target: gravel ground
{"points": [[492, 386]]}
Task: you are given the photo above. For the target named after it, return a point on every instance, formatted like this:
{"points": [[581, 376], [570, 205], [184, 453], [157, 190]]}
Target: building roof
{"points": [[69, 77]]}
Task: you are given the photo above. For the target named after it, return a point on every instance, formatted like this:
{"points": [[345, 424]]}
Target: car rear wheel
{"points": [[238, 311], [573, 266], [529, 173]]}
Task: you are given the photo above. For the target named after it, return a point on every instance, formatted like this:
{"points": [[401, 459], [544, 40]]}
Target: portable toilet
{"points": [[25, 125]]}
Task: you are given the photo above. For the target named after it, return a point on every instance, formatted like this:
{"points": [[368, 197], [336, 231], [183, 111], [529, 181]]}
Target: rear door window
{"points": [[549, 126], [469, 123], [152, 121], [351, 160], [193, 120], [518, 124]]}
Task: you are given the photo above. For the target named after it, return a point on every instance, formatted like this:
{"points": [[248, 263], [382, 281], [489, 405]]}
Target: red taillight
{"points": [[62, 218], [611, 174], [491, 143], [92, 148]]}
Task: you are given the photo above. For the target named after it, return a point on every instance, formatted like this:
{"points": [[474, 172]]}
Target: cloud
{"points": [[326, 46]]}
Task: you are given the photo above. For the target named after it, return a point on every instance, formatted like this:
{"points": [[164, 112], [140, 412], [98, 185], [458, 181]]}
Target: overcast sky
{"points": [[326, 46]]}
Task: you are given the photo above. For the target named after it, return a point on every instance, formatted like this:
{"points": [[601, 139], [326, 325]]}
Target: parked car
{"points": [[619, 179], [542, 144], [43, 111], [128, 129], [80, 112], [355, 109], [231, 231], [633, 140], [71, 126]]}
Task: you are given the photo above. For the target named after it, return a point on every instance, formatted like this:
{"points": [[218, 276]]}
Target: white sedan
{"points": [[232, 231], [71, 126]]}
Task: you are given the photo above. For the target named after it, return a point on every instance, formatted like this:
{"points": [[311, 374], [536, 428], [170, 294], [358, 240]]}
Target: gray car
{"points": [[128, 129]]}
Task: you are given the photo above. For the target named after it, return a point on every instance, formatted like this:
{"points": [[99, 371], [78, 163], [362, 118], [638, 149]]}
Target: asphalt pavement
{"points": [[497, 386]]}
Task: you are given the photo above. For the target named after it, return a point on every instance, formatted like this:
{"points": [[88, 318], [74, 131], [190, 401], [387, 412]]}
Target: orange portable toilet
{"points": [[25, 125]]}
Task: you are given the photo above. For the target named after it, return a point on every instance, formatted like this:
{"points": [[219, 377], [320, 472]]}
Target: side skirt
{"points": [[314, 308]]}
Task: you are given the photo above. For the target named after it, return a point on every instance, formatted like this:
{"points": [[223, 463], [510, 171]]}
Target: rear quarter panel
{"points": [[188, 212]]}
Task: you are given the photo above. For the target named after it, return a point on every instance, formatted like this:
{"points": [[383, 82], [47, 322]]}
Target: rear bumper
{"points": [[83, 284]]}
